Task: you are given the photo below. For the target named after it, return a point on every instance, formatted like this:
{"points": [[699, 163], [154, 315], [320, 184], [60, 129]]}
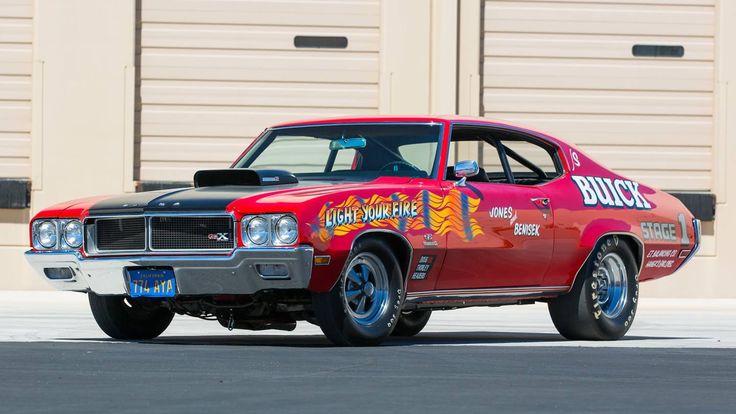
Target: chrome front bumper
{"points": [[195, 275]]}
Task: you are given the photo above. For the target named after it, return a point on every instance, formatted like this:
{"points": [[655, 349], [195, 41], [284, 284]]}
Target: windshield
{"points": [[348, 151]]}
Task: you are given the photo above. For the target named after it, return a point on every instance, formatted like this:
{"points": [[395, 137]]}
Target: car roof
{"points": [[455, 119]]}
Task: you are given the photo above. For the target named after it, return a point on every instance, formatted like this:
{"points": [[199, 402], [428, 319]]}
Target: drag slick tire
{"points": [[121, 317], [364, 305], [602, 302], [411, 322]]}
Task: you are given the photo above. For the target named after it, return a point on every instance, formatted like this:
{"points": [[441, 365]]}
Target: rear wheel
{"points": [[602, 303], [121, 317], [411, 322], [364, 305]]}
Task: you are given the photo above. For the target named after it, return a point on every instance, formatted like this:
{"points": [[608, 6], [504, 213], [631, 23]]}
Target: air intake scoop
{"points": [[243, 176]]}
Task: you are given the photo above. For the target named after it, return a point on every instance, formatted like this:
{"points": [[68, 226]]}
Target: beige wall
{"points": [[428, 62], [83, 88], [82, 114]]}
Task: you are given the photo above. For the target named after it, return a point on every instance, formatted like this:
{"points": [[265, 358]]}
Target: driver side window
{"points": [[420, 155]]}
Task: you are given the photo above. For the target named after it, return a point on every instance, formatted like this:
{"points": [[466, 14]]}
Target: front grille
{"points": [[191, 233], [120, 234]]}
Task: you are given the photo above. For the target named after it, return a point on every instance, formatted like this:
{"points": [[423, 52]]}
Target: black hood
{"points": [[184, 199]]}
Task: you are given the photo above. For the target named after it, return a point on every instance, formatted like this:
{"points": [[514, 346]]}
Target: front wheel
{"points": [[125, 318], [602, 302], [364, 305]]}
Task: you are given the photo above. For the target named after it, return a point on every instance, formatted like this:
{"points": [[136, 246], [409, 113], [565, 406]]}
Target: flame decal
{"points": [[441, 214]]}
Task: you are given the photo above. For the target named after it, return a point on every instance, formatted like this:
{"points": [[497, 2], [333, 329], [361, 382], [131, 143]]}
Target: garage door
{"points": [[214, 74], [16, 55], [568, 68]]}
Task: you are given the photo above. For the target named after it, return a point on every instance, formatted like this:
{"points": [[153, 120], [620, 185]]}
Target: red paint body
{"points": [[495, 258]]}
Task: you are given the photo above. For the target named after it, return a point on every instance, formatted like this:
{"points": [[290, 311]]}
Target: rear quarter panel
{"points": [[661, 225]]}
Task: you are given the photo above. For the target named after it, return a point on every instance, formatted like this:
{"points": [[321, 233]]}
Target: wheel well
{"points": [[398, 245], [635, 246]]}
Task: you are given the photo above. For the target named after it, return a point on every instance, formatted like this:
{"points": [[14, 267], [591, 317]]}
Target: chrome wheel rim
{"points": [[365, 291], [611, 285]]}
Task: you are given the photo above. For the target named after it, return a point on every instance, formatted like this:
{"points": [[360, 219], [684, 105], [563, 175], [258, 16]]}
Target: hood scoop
{"points": [[243, 176]]}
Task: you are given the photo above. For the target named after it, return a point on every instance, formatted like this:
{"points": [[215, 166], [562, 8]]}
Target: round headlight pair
{"points": [[285, 230], [47, 234]]}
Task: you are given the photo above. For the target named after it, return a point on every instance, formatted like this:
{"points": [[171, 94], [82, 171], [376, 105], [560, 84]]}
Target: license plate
{"points": [[152, 283]]}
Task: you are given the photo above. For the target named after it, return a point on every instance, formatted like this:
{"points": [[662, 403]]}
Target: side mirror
{"points": [[467, 168]]}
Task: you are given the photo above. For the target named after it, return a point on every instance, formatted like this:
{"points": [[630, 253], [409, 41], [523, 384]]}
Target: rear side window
{"points": [[530, 162]]}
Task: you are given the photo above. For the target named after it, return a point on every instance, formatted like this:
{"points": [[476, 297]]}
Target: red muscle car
{"points": [[364, 226]]}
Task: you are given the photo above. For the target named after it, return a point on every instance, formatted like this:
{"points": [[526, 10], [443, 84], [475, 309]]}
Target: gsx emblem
{"points": [[220, 237]]}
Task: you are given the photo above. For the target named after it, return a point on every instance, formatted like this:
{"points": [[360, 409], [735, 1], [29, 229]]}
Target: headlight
{"points": [[275, 229], [258, 230], [286, 230], [73, 234], [46, 234]]}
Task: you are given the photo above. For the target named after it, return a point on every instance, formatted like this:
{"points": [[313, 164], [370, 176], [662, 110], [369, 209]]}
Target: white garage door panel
{"points": [[15, 59], [223, 122], [162, 35], [263, 94], [177, 170], [15, 88], [620, 129], [16, 54], [15, 116], [663, 2], [603, 18], [15, 30], [630, 157], [566, 68], [568, 101], [16, 8], [214, 74], [180, 150], [14, 145], [593, 73], [671, 180], [588, 46], [309, 66], [264, 12]]}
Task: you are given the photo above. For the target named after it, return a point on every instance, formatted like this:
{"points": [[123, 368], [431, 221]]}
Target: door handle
{"points": [[542, 202]]}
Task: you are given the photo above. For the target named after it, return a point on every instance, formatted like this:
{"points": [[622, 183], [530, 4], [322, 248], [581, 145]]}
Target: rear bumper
{"points": [[195, 275], [696, 246]]}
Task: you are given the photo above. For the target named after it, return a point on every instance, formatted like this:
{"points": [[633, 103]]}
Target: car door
{"points": [[510, 227]]}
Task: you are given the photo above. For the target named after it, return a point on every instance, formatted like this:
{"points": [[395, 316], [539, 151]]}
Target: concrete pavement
{"points": [[678, 358], [32, 316]]}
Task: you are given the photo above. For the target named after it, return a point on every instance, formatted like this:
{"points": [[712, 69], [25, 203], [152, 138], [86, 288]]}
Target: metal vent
{"points": [[120, 234], [192, 233]]}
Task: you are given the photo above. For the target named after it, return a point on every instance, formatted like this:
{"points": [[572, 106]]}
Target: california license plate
{"points": [[152, 283]]}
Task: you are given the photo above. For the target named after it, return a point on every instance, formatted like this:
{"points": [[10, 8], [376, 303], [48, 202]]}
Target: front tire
{"points": [[125, 318], [364, 305], [602, 302], [411, 322]]}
